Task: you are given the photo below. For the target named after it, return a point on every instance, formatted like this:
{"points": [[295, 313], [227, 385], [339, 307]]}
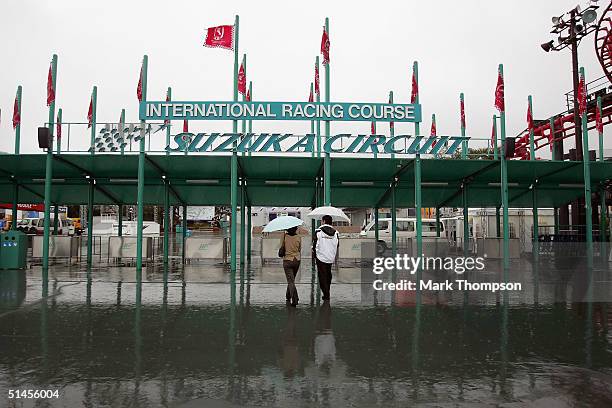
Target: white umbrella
{"points": [[282, 223], [336, 213]]}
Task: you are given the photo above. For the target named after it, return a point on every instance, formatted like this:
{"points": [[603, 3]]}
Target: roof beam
{"points": [[90, 175], [397, 175], [163, 174], [466, 181]]}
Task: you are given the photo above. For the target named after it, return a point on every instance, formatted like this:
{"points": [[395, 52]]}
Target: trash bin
{"points": [[13, 250]]}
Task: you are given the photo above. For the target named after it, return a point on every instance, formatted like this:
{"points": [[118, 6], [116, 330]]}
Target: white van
{"points": [[37, 226], [406, 228]]}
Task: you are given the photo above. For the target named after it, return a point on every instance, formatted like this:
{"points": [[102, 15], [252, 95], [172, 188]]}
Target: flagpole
{"points": [[531, 135], [464, 143], [504, 182], [244, 124], [59, 123], [374, 133], [250, 120], [327, 163], [121, 131], [94, 103], [312, 122], [391, 128], [17, 144], [234, 167], [48, 176], [141, 175], [18, 127], [495, 137], [169, 97], [415, 70], [318, 99]]}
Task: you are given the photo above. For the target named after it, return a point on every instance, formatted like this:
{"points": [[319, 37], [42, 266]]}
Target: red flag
{"points": [[167, 121], [598, 122], [499, 93], [582, 103], [325, 47], [373, 128], [433, 128], [185, 126], [529, 119], [310, 97], [220, 37], [59, 127], [90, 113], [415, 89], [16, 114], [50, 90], [248, 95], [391, 124], [241, 80], [462, 109], [316, 80], [139, 87]]}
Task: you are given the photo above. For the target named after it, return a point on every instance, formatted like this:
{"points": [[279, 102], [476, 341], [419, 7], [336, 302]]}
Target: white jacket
{"points": [[326, 245]]}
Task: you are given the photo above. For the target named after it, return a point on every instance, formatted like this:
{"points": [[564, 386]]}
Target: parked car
{"points": [[406, 228], [37, 226]]}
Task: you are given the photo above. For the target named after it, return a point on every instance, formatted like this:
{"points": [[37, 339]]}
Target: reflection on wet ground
{"points": [[185, 338]]}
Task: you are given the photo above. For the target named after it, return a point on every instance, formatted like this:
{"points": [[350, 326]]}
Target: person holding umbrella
{"points": [[289, 251], [325, 243]]}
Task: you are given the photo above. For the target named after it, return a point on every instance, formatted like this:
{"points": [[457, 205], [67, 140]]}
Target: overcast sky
{"points": [[373, 43]]}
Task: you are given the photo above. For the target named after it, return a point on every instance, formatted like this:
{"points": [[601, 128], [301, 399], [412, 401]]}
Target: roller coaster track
{"points": [[563, 123]]}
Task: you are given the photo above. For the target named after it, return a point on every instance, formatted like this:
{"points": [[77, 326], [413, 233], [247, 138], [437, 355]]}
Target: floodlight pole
{"points": [[49, 176], [327, 160]]}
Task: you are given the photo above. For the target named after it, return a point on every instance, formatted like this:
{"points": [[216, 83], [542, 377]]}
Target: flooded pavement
{"points": [[184, 338]]}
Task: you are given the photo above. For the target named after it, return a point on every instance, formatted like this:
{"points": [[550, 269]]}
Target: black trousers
{"points": [[325, 277], [291, 269]]}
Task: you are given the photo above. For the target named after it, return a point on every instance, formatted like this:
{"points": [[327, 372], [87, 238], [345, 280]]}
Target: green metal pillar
{"points": [[184, 234], [327, 164], [120, 217], [466, 220], [49, 177], [536, 226], [250, 129], [234, 203], [90, 200], [504, 186], [418, 204], [242, 224], [588, 209], [603, 225], [556, 215], [464, 143], [415, 71], [59, 123], [234, 171], [393, 219], [312, 122], [94, 107], [438, 222], [166, 219], [244, 130], [141, 176], [249, 233], [531, 135], [168, 98]]}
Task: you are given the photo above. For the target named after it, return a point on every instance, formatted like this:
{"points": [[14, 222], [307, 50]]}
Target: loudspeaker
{"points": [[509, 147], [44, 138]]}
